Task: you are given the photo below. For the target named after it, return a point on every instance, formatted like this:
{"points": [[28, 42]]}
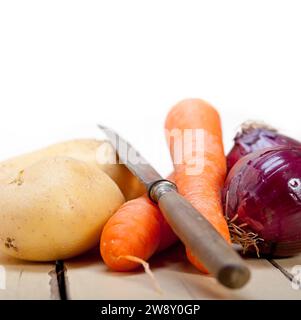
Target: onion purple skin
{"points": [[253, 138], [264, 190]]}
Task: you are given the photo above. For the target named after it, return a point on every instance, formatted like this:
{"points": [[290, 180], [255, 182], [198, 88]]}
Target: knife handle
{"points": [[197, 234]]}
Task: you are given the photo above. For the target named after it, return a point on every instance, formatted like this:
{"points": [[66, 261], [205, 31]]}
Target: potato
{"points": [[88, 150], [55, 208]]}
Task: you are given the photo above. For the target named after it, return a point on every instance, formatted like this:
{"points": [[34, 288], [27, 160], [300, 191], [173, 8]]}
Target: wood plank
{"points": [[26, 280], [88, 278]]}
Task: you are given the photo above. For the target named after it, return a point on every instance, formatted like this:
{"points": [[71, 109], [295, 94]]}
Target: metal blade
{"points": [[132, 159]]}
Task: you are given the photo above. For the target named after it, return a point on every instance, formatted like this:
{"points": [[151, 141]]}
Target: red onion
{"points": [[254, 137], [262, 201]]}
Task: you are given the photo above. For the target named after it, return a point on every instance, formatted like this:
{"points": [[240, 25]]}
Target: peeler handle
{"points": [[197, 233]]}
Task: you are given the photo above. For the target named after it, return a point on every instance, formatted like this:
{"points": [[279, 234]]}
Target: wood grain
{"points": [[26, 280], [88, 278]]}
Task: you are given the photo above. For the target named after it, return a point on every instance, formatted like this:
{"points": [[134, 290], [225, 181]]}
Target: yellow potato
{"points": [[55, 208], [94, 152]]}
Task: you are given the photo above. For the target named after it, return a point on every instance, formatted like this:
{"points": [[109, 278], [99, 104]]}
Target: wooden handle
{"points": [[195, 231]]}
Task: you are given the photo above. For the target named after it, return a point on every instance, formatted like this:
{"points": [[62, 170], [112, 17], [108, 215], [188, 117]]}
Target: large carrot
{"points": [[202, 189], [133, 234]]}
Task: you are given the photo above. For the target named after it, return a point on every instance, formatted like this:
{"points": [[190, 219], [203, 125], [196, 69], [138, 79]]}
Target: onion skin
{"points": [[254, 138], [264, 190]]}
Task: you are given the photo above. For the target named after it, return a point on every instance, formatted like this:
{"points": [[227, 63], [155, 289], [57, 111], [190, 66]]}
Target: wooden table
{"points": [[86, 277]]}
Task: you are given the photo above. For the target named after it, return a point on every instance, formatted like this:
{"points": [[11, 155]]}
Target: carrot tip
{"points": [[147, 270]]}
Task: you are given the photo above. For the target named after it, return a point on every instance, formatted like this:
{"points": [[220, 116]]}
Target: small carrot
{"points": [[203, 189], [133, 234]]}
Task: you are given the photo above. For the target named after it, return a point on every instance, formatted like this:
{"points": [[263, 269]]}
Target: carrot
{"points": [[202, 189], [133, 234]]}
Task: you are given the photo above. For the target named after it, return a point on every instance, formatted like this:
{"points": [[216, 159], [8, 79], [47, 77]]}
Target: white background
{"points": [[66, 65]]}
